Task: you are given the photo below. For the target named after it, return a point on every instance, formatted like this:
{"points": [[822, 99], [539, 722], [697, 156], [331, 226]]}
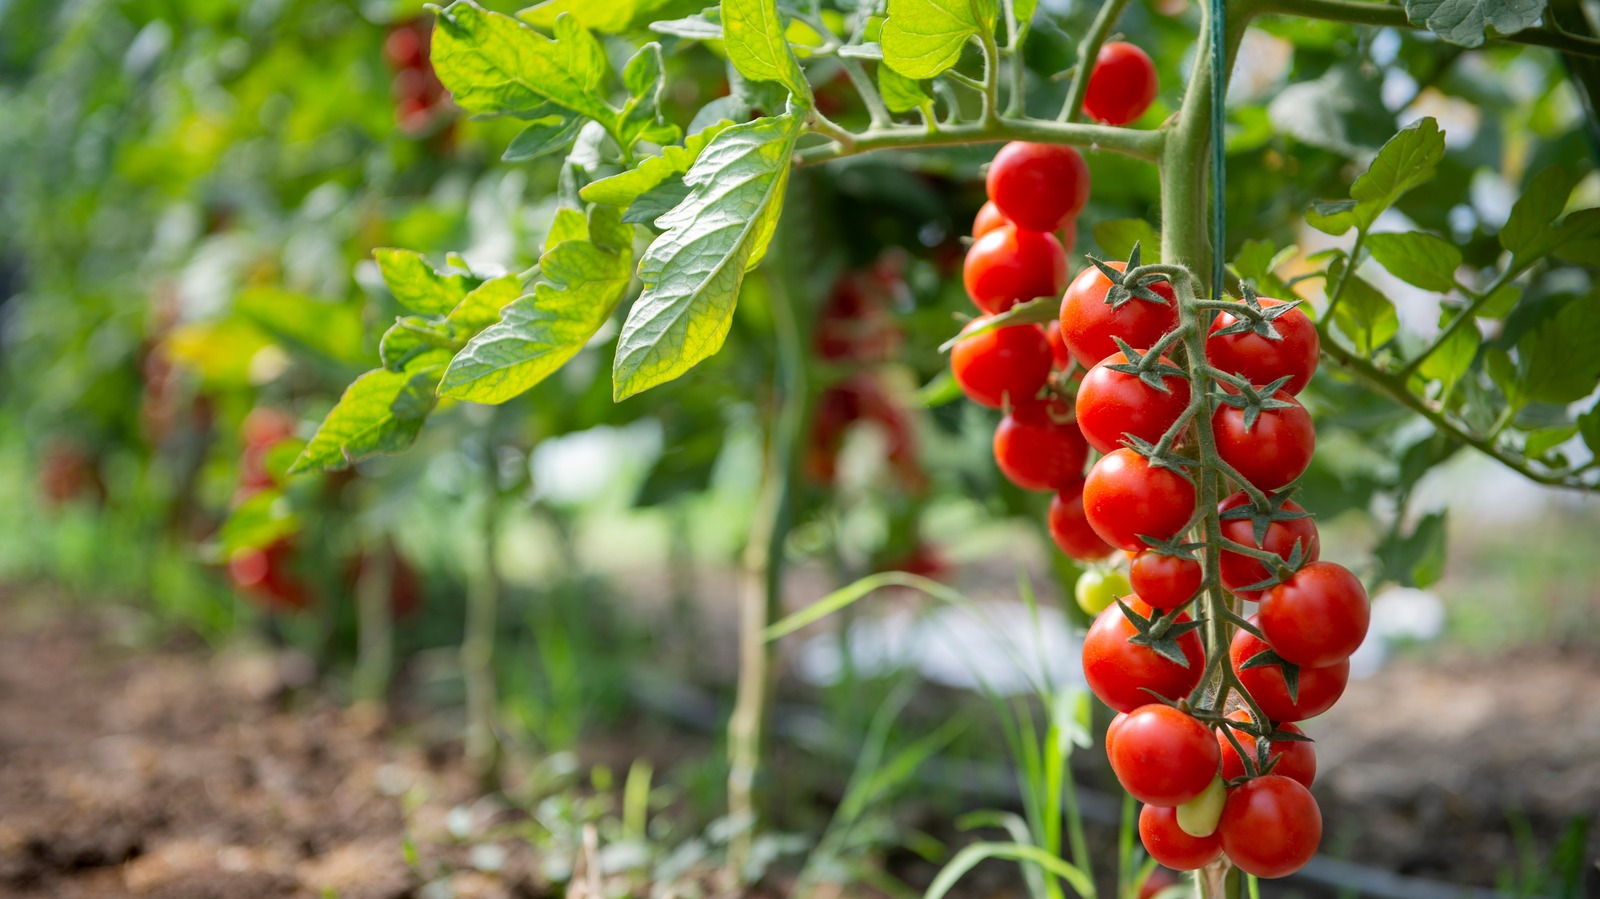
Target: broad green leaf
{"points": [[1409, 158], [1418, 258], [1556, 360], [481, 308], [693, 271], [1117, 237], [1453, 357], [1503, 372], [332, 330], [381, 412], [604, 16], [901, 94], [413, 335], [622, 189], [1533, 218], [569, 224], [644, 76], [1589, 427], [416, 285], [1546, 439], [1342, 111], [1501, 302], [922, 38], [695, 28], [585, 276], [493, 64], [1416, 559], [549, 134], [1366, 316], [1462, 22], [1258, 262], [1576, 239], [656, 202], [753, 34]]}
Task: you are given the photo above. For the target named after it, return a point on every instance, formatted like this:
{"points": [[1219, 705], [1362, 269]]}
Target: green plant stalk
{"points": [[1105, 21], [1138, 144], [375, 623], [761, 593], [1467, 316], [477, 644]]}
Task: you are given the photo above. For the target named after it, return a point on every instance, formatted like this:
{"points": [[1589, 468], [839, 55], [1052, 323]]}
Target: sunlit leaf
{"points": [[753, 34], [491, 63], [622, 189], [1409, 158], [381, 412], [1463, 22], [1418, 258], [922, 38], [416, 285]]}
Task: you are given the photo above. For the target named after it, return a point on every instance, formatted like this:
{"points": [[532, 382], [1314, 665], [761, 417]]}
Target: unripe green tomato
{"points": [[1199, 816], [1097, 588]]}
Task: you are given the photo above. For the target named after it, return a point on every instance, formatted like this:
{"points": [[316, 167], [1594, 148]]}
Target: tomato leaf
{"points": [[707, 26], [1341, 111], [1409, 159], [586, 271], [624, 188], [608, 17], [1463, 22], [1364, 315], [416, 285], [1532, 219], [493, 64], [901, 94], [1453, 357], [1589, 428], [922, 38], [753, 33], [1416, 559], [1118, 237], [1417, 258], [693, 271], [1556, 361], [381, 412]]}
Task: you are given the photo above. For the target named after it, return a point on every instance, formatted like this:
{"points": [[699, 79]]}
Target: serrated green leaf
{"points": [[493, 64], [1462, 22], [1589, 428], [624, 188], [1556, 360], [1453, 357], [1417, 258], [901, 94], [1365, 315], [1546, 439], [693, 271], [416, 285], [411, 336], [381, 412], [549, 134], [923, 38], [753, 33], [607, 17], [481, 308], [1576, 239], [1118, 237], [1409, 159], [656, 202], [1501, 302], [694, 28], [1534, 216], [585, 276]]}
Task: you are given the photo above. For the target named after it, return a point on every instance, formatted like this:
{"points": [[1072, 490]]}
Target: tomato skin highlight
{"points": [[1113, 403], [1318, 617], [1274, 451], [1238, 570], [1090, 326], [1122, 84], [1038, 447], [1040, 187], [1008, 266], [1168, 844], [1163, 756], [1320, 688], [1001, 364], [1270, 827], [1164, 581], [1297, 759], [1070, 529], [1117, 671], [1125, 496], [1260, 360]]}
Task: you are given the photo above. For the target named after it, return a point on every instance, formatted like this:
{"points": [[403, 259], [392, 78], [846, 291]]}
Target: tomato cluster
{"points": [[418, 96]]}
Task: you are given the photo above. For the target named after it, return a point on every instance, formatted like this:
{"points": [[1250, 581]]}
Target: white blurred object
{"points": [[1406, 613]]}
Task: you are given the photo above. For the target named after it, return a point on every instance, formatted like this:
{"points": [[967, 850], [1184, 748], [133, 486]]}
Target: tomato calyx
{"points": [[1252, 317], [1253, 400], [1150, 366], [1269, 658], [1262, 518], [1125, 288], [1160, 633]]}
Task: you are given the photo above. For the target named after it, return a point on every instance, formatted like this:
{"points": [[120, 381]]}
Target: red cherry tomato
{"points": [[1238, 570], [989, 217], [1270, 827], [266, 425], [1125, 496], [1317, 617], [267, 574], [1163, 756], [1070, 530], [1260, 360], [1164, 581], [1168, 844], [1122, 84], [1118, 671], [1296, 759], [1059, 354], [1090, 326], [1275, 450], [1008, 266], [1111, 731], [1320, 688], [1001, 363], [1039, 186], [405, 47], [1114, 403], [1039, 447]]}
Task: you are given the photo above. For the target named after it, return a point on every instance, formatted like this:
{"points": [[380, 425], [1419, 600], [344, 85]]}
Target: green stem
{"points": [[483, 601], [375, 624], [1468, 315], [1146, 145], [991, 77], [1384, 15], [1088, 50], [1014, 102], [1345, 275]]}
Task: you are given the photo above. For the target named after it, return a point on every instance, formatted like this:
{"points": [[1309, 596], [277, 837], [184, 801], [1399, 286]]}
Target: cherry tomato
{"points": [[1163, 756], [1111, 731], [1296, 759], [1059, 354], [1122, 84], [1113, 403], [1125, 496], [1320, 688], [1038, 447], [1169, 845], [1008, 266], [267, 574], [989, 217], [1270, 827], [1098, 588], [1070, 529], [1164, 581], [1317, 617], [405, 47], [1039, 186], [1118, 671], [1090, 326], [1274, 451], [1260, 360], [1001, 363], [1238, 570]]}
